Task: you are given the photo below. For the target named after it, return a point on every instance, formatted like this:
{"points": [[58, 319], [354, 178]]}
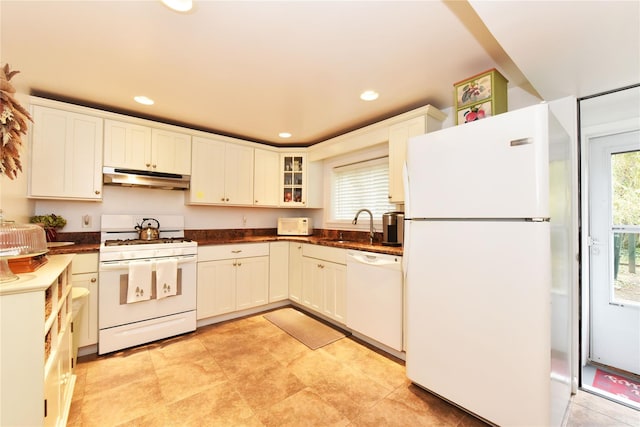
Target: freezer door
{"points": [[478, 310], [492, 168]]}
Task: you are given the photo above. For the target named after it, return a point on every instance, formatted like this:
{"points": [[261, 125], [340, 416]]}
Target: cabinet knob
{"points": [[148, 164], [389, 196], [97, 191], [255, 201], [222, 200], [94, 280], [154, 166], [227, 199]]}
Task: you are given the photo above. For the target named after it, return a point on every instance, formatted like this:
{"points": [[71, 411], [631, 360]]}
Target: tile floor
{"points": [[248, 372]]}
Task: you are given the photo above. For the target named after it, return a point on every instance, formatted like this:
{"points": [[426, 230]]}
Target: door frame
{"points": [[586, 135]]}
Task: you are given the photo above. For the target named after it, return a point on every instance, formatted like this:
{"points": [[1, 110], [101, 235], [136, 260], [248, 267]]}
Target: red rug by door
{"points": [[617, 384]]}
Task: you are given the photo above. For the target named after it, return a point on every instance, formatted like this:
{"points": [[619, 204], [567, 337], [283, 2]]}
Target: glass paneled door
{"points": [[615, 250]]}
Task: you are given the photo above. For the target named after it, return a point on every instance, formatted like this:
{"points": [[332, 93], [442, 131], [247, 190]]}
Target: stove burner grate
{"points": [[125, 242]]}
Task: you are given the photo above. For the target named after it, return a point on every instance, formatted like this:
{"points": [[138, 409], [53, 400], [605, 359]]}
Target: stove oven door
{"points": [[123, 324]]}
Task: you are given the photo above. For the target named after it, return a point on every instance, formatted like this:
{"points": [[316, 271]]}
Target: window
{"points": [[361, 185]]}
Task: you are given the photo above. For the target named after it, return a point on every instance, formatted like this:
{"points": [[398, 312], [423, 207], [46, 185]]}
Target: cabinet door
{"points": [[295, 272], [265, 177], [334, 289], [293, 180], [278, 271], [216, 288], [66, 370], [52, 393], [252, 282], [207, 172], [312, 283], [238, 175], [66, 155], [127, 145], [399, 135], [85, 326], [170, 152]]}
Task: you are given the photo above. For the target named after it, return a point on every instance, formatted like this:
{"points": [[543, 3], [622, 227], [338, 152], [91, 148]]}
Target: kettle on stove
{"points": [[148, 232]]}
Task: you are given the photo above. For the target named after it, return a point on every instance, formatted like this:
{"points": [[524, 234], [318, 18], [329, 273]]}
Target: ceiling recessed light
{"points": [[143, 100], [284, 135], [179, 5], [369, 95]]}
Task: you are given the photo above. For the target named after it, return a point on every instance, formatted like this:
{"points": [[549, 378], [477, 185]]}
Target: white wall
{"points": [[131, 200], [13, 203]]}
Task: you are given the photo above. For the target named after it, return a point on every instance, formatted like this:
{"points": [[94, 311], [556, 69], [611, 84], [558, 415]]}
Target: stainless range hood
{"points": [[149, 179]]}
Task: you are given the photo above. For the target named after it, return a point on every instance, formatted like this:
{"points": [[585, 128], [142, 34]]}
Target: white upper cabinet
{"points": [[221, 173], [300, 181], [170, 152], [265, 177], [133, 146], [399, 135], [66, 155], [127, 145]]}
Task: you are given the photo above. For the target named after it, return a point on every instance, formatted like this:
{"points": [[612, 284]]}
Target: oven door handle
{"points": [[121, 264]]}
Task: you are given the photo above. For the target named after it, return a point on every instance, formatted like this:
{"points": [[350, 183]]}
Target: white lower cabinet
{"points": [[324, 287], [252, 282], [295, 272], [278, 271], [232, 278], [84, 270], [35, 361]]}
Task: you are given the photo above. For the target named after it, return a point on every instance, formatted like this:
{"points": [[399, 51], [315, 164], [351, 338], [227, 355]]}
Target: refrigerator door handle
{"points": [[521, 141], [407, 193], [406, 250]]}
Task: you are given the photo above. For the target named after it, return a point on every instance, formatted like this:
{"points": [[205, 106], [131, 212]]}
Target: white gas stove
{"points": [[161, 301]]}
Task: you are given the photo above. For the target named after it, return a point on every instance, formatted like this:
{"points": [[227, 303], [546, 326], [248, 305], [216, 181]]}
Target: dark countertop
{"points": [[353, 241], [77, 248], [344, 244]]}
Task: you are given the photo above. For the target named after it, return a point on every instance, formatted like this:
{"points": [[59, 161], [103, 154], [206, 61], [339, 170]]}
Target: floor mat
{"points": [[618, 385], [308, 331]]}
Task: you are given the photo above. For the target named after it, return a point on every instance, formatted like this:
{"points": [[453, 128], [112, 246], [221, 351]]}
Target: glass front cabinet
{"points": [[293, 180]]}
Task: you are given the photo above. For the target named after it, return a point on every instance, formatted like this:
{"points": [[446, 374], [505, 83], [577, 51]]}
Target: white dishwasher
{"points": [[374, 296]]}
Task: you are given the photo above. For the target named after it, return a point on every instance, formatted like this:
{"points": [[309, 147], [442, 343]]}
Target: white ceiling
{"points": [[254, 69]]}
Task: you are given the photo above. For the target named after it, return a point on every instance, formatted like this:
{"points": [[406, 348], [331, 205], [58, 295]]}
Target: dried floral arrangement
{"points": [[13, 123]]}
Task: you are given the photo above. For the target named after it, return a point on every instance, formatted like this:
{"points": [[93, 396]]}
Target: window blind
{"points": [[362, 185]]}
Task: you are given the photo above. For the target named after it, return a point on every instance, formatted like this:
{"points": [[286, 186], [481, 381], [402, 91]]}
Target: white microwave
{"points": [[295, 226]]}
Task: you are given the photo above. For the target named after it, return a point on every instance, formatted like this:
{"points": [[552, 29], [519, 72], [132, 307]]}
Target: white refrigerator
{"points": [[480, 266]]}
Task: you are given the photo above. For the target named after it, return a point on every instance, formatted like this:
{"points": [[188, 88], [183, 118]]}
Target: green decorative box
{"points": [[483, 95]]}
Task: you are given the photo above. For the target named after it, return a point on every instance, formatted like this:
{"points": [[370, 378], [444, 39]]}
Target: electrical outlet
{"points": [[244, 220], [86, 221]]}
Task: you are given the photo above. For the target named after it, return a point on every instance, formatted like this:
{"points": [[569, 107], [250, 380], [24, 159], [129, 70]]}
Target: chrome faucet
{"points": [[355, 221]]}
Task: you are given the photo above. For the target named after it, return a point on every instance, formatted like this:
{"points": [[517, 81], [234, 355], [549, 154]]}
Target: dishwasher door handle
{"points": [[371, 260]]}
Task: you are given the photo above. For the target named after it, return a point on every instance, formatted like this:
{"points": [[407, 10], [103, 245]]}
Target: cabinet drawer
{"points": [[240, 250], [84, 263], [337, 255]]}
